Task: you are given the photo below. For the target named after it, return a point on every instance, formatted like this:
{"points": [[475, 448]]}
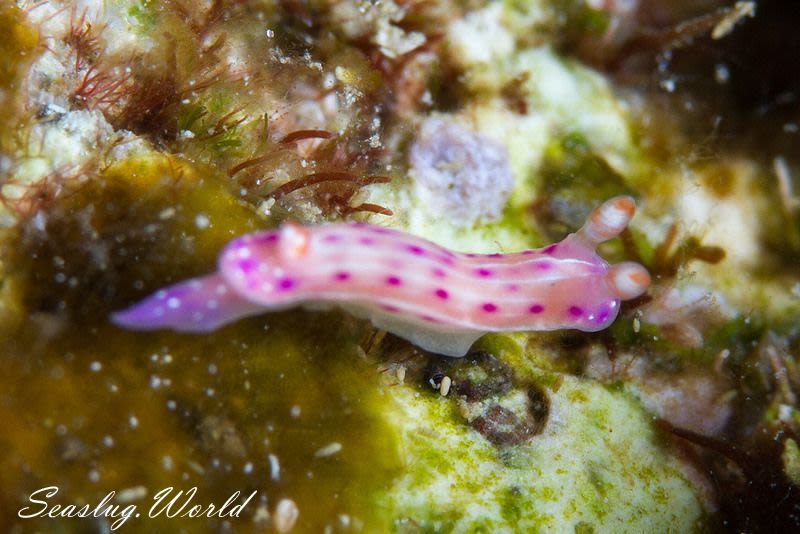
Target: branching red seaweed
{"points": [[300, 135], [321, 177], [100, 89], [84, 38]]}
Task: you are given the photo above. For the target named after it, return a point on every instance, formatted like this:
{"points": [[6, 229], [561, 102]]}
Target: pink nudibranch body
{"points": [[440, 300]]}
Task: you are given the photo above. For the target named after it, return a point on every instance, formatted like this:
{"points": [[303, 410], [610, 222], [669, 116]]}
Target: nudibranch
{"points": [[440, 300]]}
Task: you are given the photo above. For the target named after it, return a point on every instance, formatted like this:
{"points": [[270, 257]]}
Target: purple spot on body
{"points": [[265, 238], [414, 249], [543, 265], [438, 273], [549, 249], [246, 265], [536, 308], [470, 255], [575, 311], [489, 307], [382, 231], [512, 287], [483, 272], [342, 276], [286, 283], [528, 252], [366, 241], [606, 311], [393, 281], [494, 255], [442, 294], [332, 238], [389, 308], [448, 260], [429, 318]]}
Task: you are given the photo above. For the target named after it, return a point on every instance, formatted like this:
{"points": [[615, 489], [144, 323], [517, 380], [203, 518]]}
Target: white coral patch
{"points": [[460, 173]]}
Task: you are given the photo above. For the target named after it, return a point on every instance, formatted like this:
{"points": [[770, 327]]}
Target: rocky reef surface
{"points": [[138, 137]]}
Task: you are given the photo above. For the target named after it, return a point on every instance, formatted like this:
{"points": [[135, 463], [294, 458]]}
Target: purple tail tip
{"points": [[196, 305]]}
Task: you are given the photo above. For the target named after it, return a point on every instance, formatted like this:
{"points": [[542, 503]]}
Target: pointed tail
{"points": [[197, 305]]}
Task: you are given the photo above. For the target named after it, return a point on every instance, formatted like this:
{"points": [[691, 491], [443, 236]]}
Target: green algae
{"points": [[122, 233], [16, 49], [269, 390], [145, 15], [217, 406], [791, 460], [568, 475], [573, 177]]}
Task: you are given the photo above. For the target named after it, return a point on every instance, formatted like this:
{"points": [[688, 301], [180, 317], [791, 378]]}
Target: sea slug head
{"points": [[627, 280]]}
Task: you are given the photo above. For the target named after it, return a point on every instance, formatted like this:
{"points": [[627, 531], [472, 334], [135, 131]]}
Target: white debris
{"points": [[328, 450], [274, 467], [285, 516]]}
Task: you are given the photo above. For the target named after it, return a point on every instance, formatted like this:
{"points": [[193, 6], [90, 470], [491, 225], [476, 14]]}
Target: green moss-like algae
{"points": [[17, 50], [597, 451], [166, 409]]}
